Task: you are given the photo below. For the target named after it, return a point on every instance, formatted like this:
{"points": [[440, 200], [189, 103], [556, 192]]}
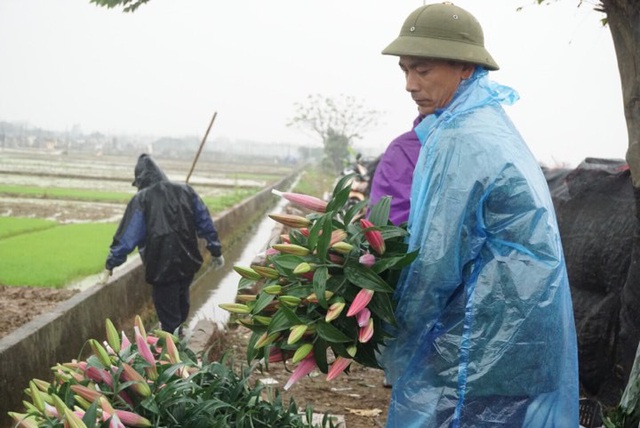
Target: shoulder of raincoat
{"points": [[164, 220], [393, 174], [485, 333]]}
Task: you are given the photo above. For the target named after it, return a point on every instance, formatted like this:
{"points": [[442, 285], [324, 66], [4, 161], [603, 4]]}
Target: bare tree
{"points": [[338, 122]]}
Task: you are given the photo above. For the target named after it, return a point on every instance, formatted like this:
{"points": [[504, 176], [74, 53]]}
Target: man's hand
{"points": [[217, 262], [104, 277]]}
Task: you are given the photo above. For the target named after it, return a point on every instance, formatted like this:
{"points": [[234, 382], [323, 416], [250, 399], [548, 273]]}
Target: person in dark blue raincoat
{"points": [[164, 221], [485, 335]]}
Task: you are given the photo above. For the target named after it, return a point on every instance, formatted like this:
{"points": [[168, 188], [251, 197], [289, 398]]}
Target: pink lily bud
{"points": [[115, 422], [275, 355], [367, 260], [294, 221], [351, 350], [125, 343], [87, 393], [172, 351], [247, 272], [131, 419], [138, 323], [363, 316], [297, 332], [312, 298], [112, 335], [284, 238], [266, 272], [266, 339], [72, 419], [360, 302], [373, 237], [338, 366], [42, 385], [24, 420], [145, 352], [337, 235], [365, 333], [305, 232], [271, 252], [129, 374], [334, 311], [334, 258], [305, 367], [302, 352], [50, 411], [304, 201], [303, 267], [100, 352], [296, 250], [342, 247]]}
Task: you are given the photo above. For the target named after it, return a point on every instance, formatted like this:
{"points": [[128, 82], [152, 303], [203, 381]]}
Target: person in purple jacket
{"points": [[394, 174]]}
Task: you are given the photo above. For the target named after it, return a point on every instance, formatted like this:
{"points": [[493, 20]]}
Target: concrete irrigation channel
{"points": [[59, 335]]}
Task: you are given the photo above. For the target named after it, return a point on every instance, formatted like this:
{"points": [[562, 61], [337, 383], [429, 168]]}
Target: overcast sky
{"points": [[165, 69]]}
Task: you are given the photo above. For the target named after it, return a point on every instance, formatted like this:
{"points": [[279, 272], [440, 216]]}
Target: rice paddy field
{"points": [[59, 212]]}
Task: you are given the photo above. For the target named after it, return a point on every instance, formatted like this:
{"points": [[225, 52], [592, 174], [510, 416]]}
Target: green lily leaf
{"points": [[320, 284], [252, 352], [354, 210], [330, 333], [262, 302], [90, 414], [382, 306], [340, 193], [395, 262], [320, 354], [324, 240], [379, 213], [366, 356], [316, 230], [286, 263], [366, 278], [279, 322]]}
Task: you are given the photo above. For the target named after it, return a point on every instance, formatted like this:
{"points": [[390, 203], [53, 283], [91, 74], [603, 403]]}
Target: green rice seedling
{"points": [[222, 202], [11, 226], [56, 256], [65, 193]]}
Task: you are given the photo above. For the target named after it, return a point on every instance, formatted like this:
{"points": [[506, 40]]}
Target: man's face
{"points": [[431, 82]]}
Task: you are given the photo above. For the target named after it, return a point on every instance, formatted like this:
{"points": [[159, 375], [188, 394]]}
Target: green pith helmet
{"points": [[442, 31]]}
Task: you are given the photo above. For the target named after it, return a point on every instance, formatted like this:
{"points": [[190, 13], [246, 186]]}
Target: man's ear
{"points": [[467, 70]]}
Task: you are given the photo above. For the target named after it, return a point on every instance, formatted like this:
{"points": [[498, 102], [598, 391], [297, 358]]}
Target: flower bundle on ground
{"points": [[154, 380], [327, 287]]}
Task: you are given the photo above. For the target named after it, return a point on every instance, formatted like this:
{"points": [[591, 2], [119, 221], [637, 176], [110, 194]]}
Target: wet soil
{"points": [[359, 396]]}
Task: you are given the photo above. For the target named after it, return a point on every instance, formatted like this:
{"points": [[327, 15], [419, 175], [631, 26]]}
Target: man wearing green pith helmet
{"points": [[485, 335]]}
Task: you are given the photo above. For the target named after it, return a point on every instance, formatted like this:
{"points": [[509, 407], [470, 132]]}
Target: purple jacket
{"points": [[394, 174]]}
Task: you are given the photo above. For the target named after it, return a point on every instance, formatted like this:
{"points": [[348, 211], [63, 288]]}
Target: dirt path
{"points": [[19, 305]]}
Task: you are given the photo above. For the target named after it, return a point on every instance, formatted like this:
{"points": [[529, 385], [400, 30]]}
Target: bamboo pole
{"points": [[204, 139]]}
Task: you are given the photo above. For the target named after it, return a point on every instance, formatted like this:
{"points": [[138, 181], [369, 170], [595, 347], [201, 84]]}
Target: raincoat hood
{"points": [[147, 172]]}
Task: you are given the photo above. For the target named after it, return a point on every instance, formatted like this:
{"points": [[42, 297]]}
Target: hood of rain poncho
{"points": [[485, 333], [147, 172]]}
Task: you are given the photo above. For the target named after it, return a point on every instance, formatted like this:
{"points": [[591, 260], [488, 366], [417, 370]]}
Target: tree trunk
{"points": [[624, 22]]}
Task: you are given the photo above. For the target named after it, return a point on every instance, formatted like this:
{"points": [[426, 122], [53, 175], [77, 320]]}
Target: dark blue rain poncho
{"points": [[485, 334], [164, 220]]}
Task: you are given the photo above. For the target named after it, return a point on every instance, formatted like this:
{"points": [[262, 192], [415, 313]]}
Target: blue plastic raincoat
{"points": [[485, 334]]}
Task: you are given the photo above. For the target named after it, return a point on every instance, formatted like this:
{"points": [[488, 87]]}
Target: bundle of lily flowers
{"points": [[107, 386], [326, 289]]}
